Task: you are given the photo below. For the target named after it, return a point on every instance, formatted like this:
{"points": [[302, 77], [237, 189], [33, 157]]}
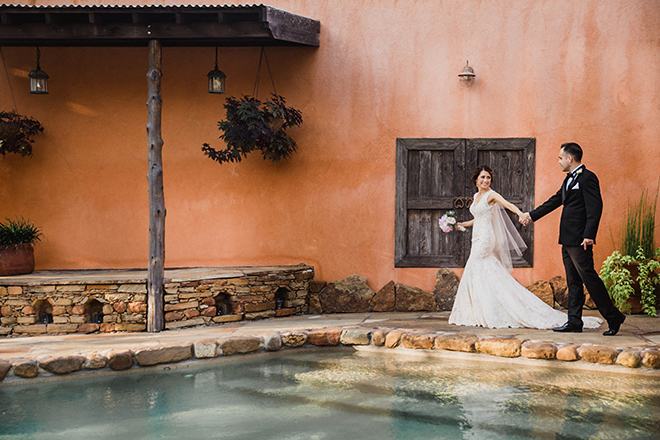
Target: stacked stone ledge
{"points": [[251, 297], [122, 307], [72, 308], [380, 339]]}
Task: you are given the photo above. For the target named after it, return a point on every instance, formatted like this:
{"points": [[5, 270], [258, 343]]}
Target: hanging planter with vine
{"points": [[17, 132], [255, 125]]}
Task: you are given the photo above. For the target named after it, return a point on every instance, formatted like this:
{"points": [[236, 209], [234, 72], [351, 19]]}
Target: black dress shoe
{"points": [[615, 326], [568, 328]]}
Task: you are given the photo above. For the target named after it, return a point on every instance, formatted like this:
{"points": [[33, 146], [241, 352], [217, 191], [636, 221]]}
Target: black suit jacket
{"points": [[583, 207]]}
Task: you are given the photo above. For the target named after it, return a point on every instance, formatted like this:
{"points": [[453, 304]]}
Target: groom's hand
{"points": [[525, 219], [587, 242]]}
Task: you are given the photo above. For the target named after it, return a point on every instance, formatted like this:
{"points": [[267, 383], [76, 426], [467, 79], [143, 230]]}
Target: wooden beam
{"points": [[157, 212], [285, 26], [256, 25], [128, 34]]}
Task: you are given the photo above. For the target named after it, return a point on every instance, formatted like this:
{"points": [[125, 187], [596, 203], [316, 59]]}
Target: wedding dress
{"points": [[488, 295]]}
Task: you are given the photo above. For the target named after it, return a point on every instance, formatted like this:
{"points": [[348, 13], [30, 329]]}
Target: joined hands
{"points": [[525, 219]]}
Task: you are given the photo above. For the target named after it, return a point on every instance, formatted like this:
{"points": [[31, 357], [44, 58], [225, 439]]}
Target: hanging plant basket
{"points": [[9, 129], [255, 125], [17, 132]]}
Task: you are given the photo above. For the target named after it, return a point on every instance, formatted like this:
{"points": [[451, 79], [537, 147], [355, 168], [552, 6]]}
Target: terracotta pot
{"points": [[16, 260]]}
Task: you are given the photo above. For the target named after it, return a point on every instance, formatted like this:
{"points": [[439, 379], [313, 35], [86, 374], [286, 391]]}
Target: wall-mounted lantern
{"points": [[216, 77], [38, 79], [467, 76]]}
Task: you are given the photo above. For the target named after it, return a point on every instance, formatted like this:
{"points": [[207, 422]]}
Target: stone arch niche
{"points": [[281, 296], [94, 311], [223, 305], [44, 311]]}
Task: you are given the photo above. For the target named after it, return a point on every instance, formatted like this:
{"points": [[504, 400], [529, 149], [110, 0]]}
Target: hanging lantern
{"points": [[216, 77], [38, 79]]}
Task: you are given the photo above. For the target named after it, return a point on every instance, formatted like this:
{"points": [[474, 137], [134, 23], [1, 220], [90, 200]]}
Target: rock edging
{"points": [[398, 339]]}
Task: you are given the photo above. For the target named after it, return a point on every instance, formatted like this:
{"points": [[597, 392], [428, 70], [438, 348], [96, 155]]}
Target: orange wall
{"points": [[565, 70]]}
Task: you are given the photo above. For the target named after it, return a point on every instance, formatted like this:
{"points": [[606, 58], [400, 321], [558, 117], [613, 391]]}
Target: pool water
{"points": [[336, 394]]}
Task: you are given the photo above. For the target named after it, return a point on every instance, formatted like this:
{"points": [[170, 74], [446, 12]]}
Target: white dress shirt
{"points": [[572, 175]]}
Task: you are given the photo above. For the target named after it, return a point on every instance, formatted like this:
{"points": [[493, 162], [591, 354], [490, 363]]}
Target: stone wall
{"points": [[69, 308], [42, 304], [353, 295], [257, 295]]}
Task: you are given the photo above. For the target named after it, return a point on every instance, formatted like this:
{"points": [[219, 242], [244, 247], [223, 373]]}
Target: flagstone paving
{"points": [[640, 333]]}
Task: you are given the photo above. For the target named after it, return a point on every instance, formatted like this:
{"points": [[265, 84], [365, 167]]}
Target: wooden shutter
{"points": [[512, 161], [430, 172]]}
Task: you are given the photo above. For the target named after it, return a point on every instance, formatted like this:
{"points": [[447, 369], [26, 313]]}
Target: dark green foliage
{"points": [[19, 231], [255, 125], [16, 132]]}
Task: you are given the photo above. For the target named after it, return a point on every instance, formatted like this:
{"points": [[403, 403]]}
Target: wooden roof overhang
{"points": [[228, 25], [155, 27]]}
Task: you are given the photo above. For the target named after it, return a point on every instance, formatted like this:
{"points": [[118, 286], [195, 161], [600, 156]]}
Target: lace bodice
{"points": [[483, 237]]}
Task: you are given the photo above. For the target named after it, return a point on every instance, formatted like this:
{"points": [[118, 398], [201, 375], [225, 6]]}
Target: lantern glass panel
{"points": [[216, 84], [467, 81], [39, 85]]}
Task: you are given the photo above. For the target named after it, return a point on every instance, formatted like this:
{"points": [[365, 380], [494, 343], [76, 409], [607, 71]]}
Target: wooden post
{"points": [[157, 212]]}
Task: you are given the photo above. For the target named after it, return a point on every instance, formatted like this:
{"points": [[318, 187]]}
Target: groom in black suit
{"points": [[583, 206]]}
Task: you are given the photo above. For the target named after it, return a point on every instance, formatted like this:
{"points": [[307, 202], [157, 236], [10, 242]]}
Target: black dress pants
{"points": [[579, 265]]}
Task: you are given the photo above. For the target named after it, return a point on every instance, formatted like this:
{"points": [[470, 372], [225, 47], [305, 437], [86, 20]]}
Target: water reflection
{"points": [[340, 395]]}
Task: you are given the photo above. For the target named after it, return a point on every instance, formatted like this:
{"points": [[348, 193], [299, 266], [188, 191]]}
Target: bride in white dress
{"points": [[488, 296]]}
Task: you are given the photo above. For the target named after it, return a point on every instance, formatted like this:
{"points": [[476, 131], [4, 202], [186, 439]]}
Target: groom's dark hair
{"points": [[478, 171], [573, 149]]}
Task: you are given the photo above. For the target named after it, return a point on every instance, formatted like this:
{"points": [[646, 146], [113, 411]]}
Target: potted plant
{"points": [[632, 275], [17, 238], [255, 125], [16, 133]]}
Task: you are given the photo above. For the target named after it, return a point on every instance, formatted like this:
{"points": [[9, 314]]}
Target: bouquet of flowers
{"points": [[448, 222]]}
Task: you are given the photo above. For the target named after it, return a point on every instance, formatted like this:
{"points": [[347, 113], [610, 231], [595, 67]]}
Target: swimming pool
{"points": [[335, 394]]}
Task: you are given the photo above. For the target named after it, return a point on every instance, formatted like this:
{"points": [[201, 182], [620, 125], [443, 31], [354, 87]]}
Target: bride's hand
{"points": [[524, 218], [460, 227]]}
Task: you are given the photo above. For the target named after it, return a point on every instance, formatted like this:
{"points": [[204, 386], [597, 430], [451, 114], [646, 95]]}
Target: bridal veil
{"points": [[508, 241]]}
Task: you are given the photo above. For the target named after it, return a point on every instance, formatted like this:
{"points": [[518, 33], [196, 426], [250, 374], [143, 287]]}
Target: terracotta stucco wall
{"points": [[557, 71]]}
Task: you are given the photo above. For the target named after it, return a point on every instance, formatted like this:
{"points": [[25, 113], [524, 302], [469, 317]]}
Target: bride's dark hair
{"points": [[478, 171]]}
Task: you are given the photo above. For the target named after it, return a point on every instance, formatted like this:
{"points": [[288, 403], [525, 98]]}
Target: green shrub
{"points": [[620, 283], [637, 249]]}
